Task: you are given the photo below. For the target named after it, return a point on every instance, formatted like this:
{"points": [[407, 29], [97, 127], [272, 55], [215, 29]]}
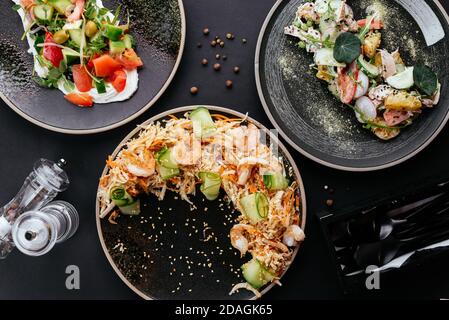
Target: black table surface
{"points": [[312, 275]]}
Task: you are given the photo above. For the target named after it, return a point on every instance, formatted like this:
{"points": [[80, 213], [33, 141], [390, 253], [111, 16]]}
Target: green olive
{"points": [[60, 37], [91, 29]]}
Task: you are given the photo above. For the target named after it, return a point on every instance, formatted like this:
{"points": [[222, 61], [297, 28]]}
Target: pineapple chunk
{"points": [[371, 44], [402, 101]]}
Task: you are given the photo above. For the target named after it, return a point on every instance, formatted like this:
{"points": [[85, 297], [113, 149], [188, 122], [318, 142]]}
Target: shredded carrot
{"points": [[219, 116], [173, 117]]}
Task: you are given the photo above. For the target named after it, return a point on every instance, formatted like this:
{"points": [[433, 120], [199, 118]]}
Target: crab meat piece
{"points": [[381, 92], [395, 117], [388, 64]]}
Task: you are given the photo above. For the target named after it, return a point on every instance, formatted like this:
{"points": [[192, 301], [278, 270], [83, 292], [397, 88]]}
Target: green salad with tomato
{"points": [[81, 48], [385, 94]]}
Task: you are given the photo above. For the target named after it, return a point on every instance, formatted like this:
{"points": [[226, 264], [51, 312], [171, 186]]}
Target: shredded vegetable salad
{"points": [[219, 153], [385, 94], [81, 48]]}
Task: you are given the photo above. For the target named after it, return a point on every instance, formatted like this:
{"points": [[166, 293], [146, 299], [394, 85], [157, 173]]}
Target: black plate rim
{"points": [[301, 150], [184, 109], [126, 120]]}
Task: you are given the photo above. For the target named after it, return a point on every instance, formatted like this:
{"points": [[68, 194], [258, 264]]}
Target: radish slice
{"points": [[365, 109], [362, 86]]}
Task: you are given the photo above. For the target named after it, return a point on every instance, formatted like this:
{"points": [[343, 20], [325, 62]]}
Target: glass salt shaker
{"points": [[40, 187], [36, 232]]}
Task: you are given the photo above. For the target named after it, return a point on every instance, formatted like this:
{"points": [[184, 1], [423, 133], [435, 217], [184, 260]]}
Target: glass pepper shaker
{"points": [[40, 187], [36, 232]]}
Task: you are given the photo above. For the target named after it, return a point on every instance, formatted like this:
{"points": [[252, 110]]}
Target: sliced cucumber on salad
{"points": [[211, 184], [369, 68], [168, 168], [255, 274], [275, 181], [203, 124], [255, 207], [43, 12], [127, 204]]}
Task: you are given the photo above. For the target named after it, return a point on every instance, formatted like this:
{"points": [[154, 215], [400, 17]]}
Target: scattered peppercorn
{"points": [[236, 69], [194, 90], [217, 66], [244, 40], [222, 44], [225, 57], [217, 56], [329, 202], [199, 45], [213, 43], [228, 84], [206, 31], [204, 62], [229, 36], [217, 37]]}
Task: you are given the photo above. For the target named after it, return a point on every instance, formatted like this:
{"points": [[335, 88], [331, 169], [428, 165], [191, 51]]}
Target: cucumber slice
{"points": [[132, 209], [167, 173], [203, 125], [325, 57], [127, 204], [117, 47], [255, 207], [262, 204], [70, 56], [77, 36], [370, 69], [43, 12], [165, 159], [403, 80], [100, 86], [211, 185], [129, 41], [112, 32], [275, 181], [255, 274], [60, 5]]}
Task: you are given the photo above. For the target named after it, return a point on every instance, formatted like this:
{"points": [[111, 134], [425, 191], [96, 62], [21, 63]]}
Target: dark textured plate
{"points": [[314, 122], [159, 28], [164, 253]]}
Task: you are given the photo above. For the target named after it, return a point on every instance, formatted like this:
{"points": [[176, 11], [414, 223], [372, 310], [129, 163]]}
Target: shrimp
{"points": [[293, 235], [187, 151], [27, 4], [238, 239], [77, 11], [140, 167]]}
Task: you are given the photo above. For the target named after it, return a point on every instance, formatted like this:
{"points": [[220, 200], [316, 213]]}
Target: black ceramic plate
{"points": [[161, 254], [159, 29], [314, 122]]}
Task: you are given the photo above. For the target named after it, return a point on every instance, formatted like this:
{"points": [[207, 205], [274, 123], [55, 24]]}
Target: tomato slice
{"points": [[82, 80], [118, 80], [130, 60], [347, 83], [52, 53], [375, 24], [105, 66], [80, 99], [395, 117]]}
